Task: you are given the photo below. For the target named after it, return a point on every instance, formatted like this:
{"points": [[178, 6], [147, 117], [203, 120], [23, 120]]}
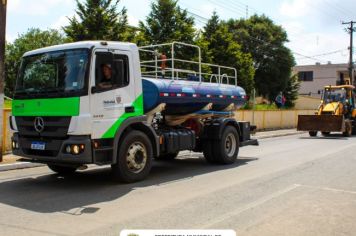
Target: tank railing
{"points": [[174, 72], [222, 79]]}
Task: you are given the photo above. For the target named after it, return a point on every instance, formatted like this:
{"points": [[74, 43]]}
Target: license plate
{"points": [[38, 145]]}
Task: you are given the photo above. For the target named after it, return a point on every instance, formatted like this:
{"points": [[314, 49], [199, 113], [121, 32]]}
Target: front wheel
{"points": [[348, 129], [134, 158], [62, 170]]}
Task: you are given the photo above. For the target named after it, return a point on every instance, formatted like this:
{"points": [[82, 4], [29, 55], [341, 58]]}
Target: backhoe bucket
{"points": [[324, 123]]}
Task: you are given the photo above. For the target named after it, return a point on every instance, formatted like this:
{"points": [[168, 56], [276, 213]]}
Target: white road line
{"points": [[327, 189], [250, 206]]}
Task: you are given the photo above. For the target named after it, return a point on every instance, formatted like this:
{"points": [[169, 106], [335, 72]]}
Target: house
{"points": [[314, 77]]}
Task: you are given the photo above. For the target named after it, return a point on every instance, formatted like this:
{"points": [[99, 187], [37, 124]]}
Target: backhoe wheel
{"points": [[313, 133], [134, 160], [325, 133], [62, 170], [168, 156], [348, 129], [226, 149]]}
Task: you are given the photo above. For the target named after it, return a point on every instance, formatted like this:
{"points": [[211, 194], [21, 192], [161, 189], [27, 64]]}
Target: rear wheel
{"points": [[62, 170], [208, 152], [313, 133], [134, 158], [226, 149]]}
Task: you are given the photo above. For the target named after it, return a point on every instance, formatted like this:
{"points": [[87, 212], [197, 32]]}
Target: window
{"points": [[112, 71], [58, 73], [305, 76]]}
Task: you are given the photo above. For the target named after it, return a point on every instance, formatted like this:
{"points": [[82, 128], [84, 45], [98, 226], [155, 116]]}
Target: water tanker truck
{"points": [[96, 103]]}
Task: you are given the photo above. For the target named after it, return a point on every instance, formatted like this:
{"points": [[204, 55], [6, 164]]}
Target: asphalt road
{"points": [[292, 185]]}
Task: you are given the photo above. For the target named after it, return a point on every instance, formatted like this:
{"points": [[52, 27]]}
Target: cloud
{"points": [[60, 22], [132, 20], [317, 43], [294, 8], [36, 7]]}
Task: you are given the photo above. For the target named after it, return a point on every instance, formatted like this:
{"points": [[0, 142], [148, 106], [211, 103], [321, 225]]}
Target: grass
{"points": [[265, 107]]}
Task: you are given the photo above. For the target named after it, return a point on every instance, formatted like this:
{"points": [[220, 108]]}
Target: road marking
{"points": [[327, 189], [250, 206]]}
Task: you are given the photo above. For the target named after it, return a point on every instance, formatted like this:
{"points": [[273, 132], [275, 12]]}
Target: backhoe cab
{"points": [[336, 112]]}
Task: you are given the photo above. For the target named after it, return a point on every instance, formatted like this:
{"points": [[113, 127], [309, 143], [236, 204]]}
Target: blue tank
{"points": [[184, 97]]}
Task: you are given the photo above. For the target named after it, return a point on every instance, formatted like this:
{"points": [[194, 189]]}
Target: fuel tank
{"points": [[184, 97]]}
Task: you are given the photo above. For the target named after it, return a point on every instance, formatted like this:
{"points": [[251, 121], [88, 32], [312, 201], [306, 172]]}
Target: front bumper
{"points": [[55, 150]]}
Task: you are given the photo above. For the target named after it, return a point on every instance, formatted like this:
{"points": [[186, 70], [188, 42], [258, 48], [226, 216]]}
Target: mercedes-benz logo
{"points": [[39, 124]]}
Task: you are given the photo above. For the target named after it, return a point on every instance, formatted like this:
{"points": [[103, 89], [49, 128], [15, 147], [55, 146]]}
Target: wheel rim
{"points": [[230, 145], [136, 157]]}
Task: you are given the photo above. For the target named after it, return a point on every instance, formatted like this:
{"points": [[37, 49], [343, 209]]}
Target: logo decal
{"points": [[39, 124]]}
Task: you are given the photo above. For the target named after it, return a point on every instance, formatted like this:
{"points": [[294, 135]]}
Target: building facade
{"points": [[314, 77]]}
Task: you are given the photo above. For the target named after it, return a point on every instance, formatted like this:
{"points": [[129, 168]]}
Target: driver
{"points": [[106, 81]]}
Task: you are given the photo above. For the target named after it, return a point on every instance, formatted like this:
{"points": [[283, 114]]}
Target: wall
{"points": [[276, 119], [307, 103]]}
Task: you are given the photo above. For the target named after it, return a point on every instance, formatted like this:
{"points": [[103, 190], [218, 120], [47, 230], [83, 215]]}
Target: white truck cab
{"points": [[84, 103]]}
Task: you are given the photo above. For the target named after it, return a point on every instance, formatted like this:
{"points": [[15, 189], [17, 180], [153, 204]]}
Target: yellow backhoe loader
{"points": [[336, 112]]}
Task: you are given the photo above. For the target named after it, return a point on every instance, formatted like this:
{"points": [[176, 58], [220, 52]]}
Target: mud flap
{"points": [[324, 123]]}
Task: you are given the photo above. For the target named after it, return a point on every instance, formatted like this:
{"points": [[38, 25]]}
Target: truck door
{"points": [[112, 91]]}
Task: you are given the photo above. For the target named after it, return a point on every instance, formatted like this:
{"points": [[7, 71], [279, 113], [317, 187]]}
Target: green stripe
{"points": [[138, 105], [46, 107]]}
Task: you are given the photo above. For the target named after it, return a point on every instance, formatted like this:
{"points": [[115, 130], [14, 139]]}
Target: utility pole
{"points": [[3, 5], [351, 30]]}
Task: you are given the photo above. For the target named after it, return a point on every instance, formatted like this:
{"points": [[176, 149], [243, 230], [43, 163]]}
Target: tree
{"points": [[265, 41], [32, 39], [167, 22], [291, 91], [223, 50], [99, 20]]}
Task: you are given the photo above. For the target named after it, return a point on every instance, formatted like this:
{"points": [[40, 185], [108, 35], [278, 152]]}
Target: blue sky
{"points": [[314, 27]]}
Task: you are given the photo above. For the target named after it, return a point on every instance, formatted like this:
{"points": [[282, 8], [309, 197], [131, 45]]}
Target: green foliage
{"points": [[265, 41], [99, 20], [291, 91], [32, 39], [166, 22], [224, 50]]}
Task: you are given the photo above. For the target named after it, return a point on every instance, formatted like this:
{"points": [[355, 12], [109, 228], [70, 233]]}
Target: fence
{"points": [[272, 119], [6, 139]]}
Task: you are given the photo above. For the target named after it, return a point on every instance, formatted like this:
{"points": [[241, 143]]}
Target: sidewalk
{"points": [[10, 160], [276, 133]]}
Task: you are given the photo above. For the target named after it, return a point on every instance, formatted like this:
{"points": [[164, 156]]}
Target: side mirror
{"points": [[94, 89]]}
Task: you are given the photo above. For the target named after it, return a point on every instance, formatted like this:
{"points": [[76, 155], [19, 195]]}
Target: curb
{"points": [[278, 135], [19, 165]]}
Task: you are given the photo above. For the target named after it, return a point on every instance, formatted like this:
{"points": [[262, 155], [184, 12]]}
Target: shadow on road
{"points": [[329, 136], [52, 193]]}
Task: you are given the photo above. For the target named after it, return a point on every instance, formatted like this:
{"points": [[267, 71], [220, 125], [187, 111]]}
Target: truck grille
{"points": [[54, 127]]}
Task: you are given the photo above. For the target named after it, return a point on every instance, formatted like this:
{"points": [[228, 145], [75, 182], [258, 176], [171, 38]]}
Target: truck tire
{"points": [[226, 149], [208, 152], [313, 133], [168, 156], [62, 170], [134, 159]]}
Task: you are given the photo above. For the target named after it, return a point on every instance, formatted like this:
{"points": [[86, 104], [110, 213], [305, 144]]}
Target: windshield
{"points": [[334, 95], [59, 73]]}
